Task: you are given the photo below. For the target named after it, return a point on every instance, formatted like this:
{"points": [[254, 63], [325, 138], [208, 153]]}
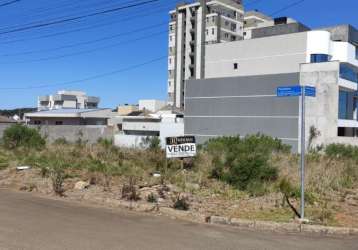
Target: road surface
{"points": [[31, 222]]}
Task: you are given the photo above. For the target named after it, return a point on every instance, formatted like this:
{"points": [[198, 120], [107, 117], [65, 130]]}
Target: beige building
{"points": [[126, 109]]}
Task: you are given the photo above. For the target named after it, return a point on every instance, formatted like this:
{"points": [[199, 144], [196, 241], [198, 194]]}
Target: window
{"points": [[233, 38], [59, 122], [226, 35], [245, 33], [207, 32], [213, 19], [213, 31], [37, 122], [236, 66], [348, 73], [343, 105], [357, 52], [170, 38], [226, 23], [317, 58]]}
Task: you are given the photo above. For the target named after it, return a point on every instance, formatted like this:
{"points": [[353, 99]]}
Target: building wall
{"points": [[69, 121], [322, 111], [73, 133], [242, 106], [269, 55], [165, 129], [151, 105]]}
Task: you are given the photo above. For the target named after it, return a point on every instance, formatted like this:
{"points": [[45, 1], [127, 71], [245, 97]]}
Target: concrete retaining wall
{"points": [[73, 133]]}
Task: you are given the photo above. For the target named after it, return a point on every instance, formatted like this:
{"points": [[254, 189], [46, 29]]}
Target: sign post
{"points": [[302, 91], [303, 151]]}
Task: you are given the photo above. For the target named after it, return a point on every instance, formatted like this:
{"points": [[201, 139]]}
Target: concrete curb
{"points": [[283, 227], [240, 223]]}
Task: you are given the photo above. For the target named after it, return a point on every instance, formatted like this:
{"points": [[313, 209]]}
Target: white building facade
{"points": [[67, 100], [191, 27]]}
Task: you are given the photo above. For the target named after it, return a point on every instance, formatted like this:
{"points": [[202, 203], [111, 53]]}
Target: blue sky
{"points": [[19, 68]]}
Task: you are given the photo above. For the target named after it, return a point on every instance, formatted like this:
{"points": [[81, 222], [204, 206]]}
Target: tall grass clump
{"points": [[245, 163], [21, 136]]}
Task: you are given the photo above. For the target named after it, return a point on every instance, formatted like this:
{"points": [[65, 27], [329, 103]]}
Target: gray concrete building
{"points": [[237, 95]]}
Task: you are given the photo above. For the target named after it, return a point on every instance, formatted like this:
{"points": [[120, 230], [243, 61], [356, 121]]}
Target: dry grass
{"points": [[328, 181]]}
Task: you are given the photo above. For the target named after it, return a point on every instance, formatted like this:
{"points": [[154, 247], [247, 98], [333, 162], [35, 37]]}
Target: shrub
{"points": [[151, 142], [244, 162], [107, 143], [4, 161], [129, 191], [21, 136], [151, 198], [337, 150], [61, 141], [57, 176], [181, 203]]}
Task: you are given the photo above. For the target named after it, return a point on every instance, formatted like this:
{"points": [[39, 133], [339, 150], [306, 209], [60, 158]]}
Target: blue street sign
{"points": [[289, 91], [310, 91], [295, 91]]}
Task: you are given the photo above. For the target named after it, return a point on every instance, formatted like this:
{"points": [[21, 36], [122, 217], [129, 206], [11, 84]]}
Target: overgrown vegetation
{"points": [[21, 136], [245, 162], [228, 169]]}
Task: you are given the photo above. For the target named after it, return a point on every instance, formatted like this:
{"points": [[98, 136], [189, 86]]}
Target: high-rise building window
{"points": [[357, 52], [343, 105], [317, 58], [348, 73]]}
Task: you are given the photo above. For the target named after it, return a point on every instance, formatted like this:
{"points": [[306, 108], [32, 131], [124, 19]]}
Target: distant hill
{"points": [[20, 112]]}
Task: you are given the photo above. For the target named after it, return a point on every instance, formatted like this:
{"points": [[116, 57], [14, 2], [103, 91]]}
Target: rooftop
{"points": [[71, 113]]}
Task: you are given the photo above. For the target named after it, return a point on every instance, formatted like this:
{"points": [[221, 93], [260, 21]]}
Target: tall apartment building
{"points": [[67, 100], [193, 26]]}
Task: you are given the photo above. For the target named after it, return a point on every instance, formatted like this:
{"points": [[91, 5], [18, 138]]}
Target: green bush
{"points": [[21, 136], [337, 150], [244, 163], [151, 143]]}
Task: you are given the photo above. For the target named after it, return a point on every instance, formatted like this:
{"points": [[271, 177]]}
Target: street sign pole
{"points": [[303, 91], [303, 149]]}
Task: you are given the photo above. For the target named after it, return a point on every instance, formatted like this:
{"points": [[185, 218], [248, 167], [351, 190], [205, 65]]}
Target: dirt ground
{"points": [[340, 210]]}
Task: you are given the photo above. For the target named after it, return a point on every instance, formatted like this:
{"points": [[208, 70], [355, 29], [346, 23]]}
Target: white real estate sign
{"points": [[180, 147]]}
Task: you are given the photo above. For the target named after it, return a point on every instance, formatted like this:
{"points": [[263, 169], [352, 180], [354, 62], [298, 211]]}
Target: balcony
{"points": [[93, 99], [44, 98]]}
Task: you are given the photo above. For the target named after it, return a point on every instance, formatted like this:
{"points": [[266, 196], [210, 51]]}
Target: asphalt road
{"points": [[31, 222]]}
